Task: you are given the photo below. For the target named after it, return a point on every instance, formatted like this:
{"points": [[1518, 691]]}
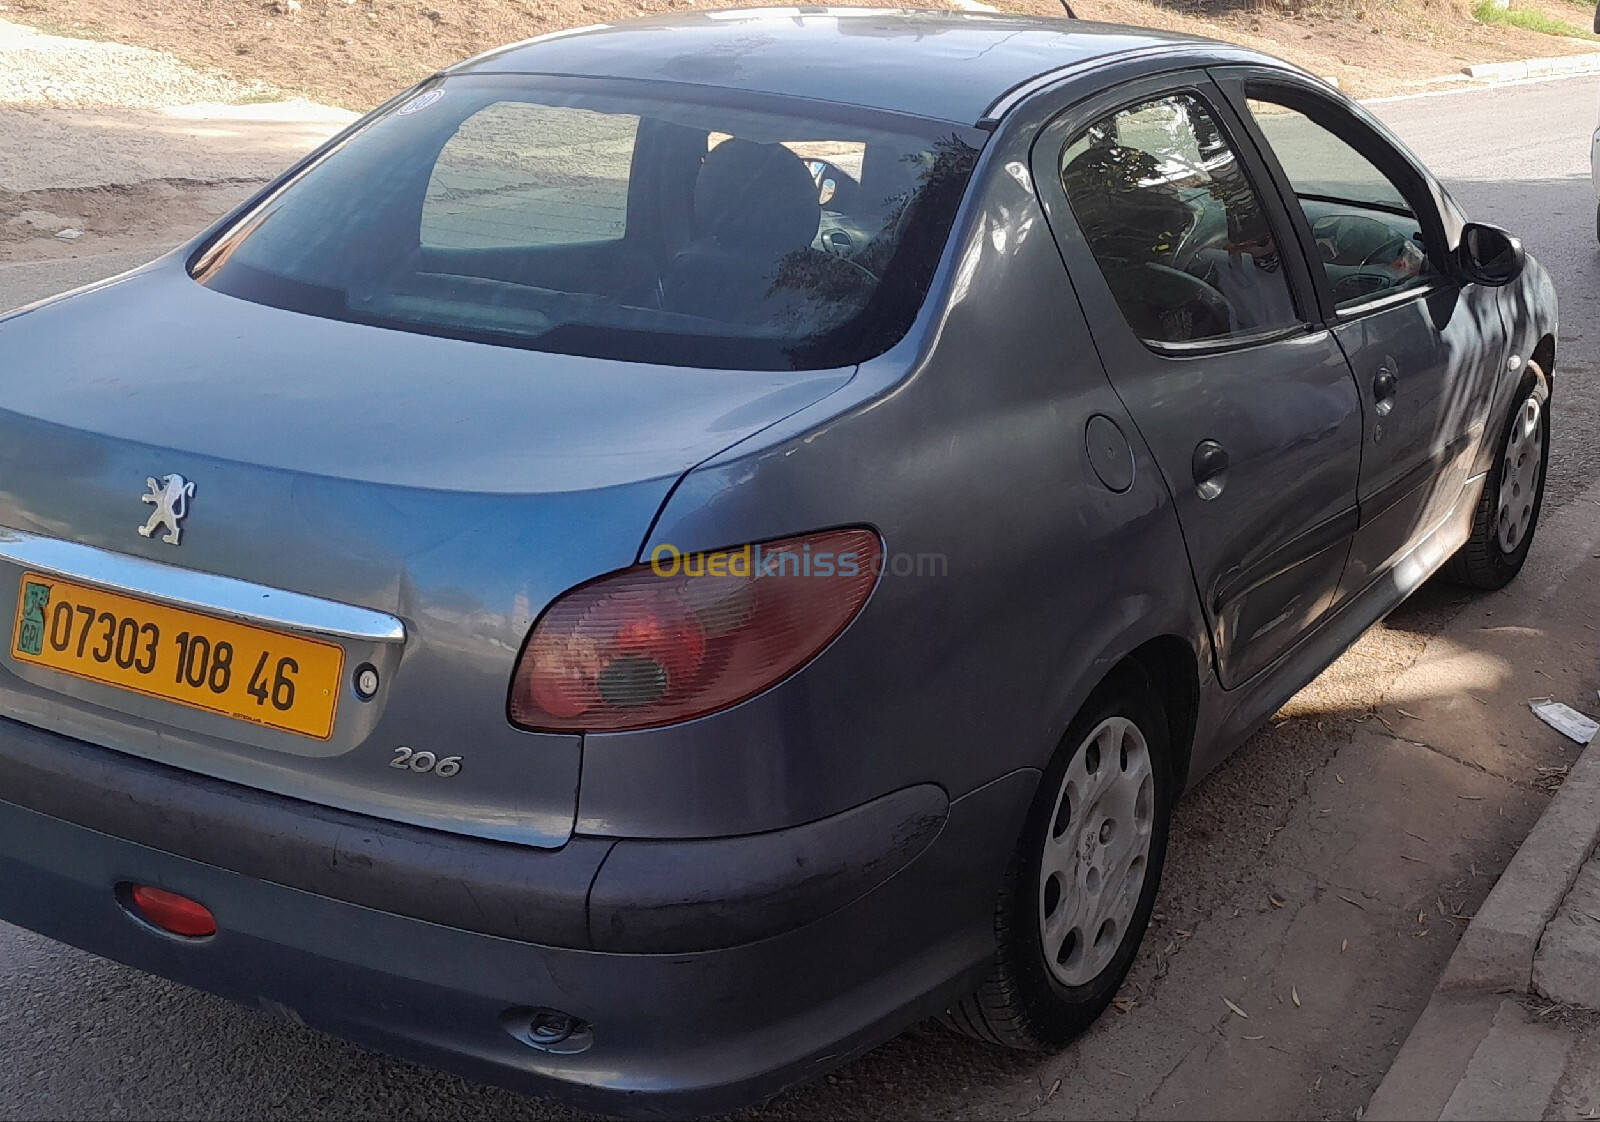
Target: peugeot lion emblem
{"points": [[171, 495]]}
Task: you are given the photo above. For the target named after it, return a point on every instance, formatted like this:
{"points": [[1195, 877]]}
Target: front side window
{"points": [[1368, 237], [1175, 225], [694, 227]]}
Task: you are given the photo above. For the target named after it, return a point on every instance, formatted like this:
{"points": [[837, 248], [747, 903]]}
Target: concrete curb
{"points": [[1496, 953], [1534, 67], [1495, 956], [1434, 1057]]}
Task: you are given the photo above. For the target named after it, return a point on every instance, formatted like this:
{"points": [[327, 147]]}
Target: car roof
{"points": [[948, 65]]}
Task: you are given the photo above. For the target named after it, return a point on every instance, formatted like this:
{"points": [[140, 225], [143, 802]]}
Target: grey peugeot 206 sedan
{"points": [[669, 552]]}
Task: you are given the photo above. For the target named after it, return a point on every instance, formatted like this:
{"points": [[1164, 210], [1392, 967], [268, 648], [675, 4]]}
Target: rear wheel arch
{"points": [[1170, 664]]}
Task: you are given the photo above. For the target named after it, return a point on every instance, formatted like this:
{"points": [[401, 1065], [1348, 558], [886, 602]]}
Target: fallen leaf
{"points": [[1344, 945], [1255, 1038], [1357, 903], [1403, 713], [1471, 798], [1274, 901], [1418, 860], [1419, 837], [1295, 995], [1339, 777], [1236, 1009]]}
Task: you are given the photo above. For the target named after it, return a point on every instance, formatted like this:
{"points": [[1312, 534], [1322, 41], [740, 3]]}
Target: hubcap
{"points": [[1097, 851], [1519, 476]]}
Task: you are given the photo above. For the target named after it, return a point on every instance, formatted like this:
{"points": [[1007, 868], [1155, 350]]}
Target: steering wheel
{"points": [[840, 247], [1181, 301], [1355, 239], [1379, 256], [1388, 251]]}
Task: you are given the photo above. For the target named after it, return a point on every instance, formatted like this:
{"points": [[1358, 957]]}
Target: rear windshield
{"points": [[651, 223]]}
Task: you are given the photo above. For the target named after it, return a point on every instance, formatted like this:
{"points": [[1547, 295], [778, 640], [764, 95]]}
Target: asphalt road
{"points": [[80, 1037]]}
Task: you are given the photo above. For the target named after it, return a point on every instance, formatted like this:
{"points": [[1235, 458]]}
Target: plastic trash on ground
{"points": [[1564, 719]]}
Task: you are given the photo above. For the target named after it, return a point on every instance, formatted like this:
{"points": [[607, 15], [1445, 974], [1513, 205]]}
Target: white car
{"points": [[1594, 167], [1594, 153]]}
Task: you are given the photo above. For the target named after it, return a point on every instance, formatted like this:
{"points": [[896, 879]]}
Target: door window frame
{"points": [[1064, 128], [1420, 191]]}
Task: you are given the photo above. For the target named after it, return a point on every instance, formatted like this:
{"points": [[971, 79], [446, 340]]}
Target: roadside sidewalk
{"points": [[1513, 1028]]}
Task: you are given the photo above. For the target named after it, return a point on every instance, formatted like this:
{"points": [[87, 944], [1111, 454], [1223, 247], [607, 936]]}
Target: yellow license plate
{"points": [[238, 670]]}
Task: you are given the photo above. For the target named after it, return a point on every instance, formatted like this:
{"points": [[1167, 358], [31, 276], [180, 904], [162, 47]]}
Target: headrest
{"points": [[756, 197], [1112, 168]]}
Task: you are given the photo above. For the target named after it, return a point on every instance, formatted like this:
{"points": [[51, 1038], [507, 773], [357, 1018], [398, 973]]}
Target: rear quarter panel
{"points": [[1015, 578]]}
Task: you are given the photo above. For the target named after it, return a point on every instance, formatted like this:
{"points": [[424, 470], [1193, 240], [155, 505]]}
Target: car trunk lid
{"points": [[453, 487]]}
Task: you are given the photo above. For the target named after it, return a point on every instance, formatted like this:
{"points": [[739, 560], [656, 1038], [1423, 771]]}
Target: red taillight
{"points": [[690, 634], [171, 912]]}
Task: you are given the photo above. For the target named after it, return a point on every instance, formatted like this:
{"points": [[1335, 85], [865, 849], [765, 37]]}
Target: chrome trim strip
{"points": [[204, 592]]}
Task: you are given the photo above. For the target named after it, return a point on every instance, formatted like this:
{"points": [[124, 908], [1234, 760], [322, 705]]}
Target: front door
{"points": [[1425, 349], [1196, 299]]}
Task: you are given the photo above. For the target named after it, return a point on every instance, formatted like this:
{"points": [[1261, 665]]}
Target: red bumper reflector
{"points": [[171, 912]]}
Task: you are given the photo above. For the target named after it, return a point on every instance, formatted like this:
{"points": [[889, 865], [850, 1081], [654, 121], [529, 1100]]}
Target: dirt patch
{"points": [[107, 219], [354, 53], [351, 54]]}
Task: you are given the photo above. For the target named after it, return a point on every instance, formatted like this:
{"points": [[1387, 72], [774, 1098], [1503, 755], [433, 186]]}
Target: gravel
{"points": [[47, 70]]}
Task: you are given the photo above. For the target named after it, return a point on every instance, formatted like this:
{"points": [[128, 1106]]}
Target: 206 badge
{"points": [[171, 495]]}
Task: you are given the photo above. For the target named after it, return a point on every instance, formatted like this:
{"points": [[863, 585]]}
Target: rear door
{"points": [[1197, 294], [1426, 349]]}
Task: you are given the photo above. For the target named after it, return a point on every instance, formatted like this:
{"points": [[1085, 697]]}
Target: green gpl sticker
{"points": [[34, 598]]}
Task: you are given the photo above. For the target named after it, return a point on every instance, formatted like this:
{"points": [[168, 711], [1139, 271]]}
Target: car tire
{"points": [[1508, 510], [1060, 953]]}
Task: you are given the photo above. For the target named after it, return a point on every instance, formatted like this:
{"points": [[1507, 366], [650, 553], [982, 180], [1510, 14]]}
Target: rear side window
{"points": [[1175, 225], [686, 226], [495, 185]]}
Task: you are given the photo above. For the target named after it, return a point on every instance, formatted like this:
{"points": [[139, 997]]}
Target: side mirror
{"points": [[1488, 255]]}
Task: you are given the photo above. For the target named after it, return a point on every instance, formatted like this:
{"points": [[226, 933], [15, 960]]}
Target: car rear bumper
{"points": [[670, 1033]]}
